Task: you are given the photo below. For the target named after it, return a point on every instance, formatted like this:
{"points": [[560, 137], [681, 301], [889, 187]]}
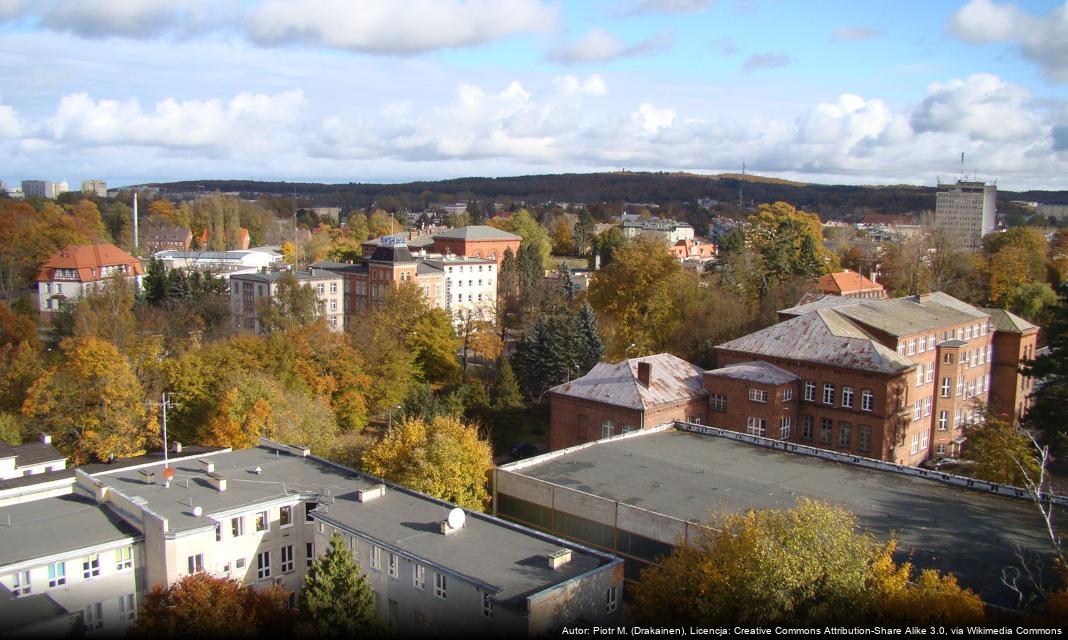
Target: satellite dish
{"points": [[168, 474], [198, 511], [457, 518]]}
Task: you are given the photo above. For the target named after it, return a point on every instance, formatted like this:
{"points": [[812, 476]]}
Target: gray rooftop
{"points": [[49, 526], [814, 300], [28, 611], [488, 550], [688, 475], [755, 371], [477, 232], [34, 453], [275, 276], [1008, 322], [909, 315], [671, 379], [821, 336]]}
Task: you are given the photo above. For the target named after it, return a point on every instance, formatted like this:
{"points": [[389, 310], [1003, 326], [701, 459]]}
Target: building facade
{"points": [[1015, 341], [167, 239], [248, 290], [670, 231], [967, 211], [77, 269], [476, 241], [98, 188]]}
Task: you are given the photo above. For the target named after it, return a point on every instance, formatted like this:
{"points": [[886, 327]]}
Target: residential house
{"points": [[75, 270]]}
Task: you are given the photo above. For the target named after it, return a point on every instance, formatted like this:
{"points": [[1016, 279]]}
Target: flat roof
{"points": [[489, 550], [48, 526], [27, 611], [694, 476]]}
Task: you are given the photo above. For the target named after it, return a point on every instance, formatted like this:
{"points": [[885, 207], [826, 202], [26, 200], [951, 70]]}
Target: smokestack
{"points": [[645, 372], [135, 221]]}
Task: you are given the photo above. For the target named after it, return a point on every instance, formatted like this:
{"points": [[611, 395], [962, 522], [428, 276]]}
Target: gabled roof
{"points": [[476, 232], [814, 300], [755, 371], [671, 379], [1008, 322], [912, 314], [822, 336], [844, 282], [87, 260], [34, 453]]}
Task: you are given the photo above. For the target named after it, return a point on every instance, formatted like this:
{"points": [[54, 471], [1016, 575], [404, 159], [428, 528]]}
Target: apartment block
{"points": [[247, 290], [98, 188], [966, 210]]}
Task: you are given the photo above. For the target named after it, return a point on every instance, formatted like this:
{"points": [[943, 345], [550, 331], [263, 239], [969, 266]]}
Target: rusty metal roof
{"points": [[1008, 322], [822, 336], [755, 371], [671, 379]]}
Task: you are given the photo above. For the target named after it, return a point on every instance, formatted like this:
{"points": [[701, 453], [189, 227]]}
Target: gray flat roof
{"points": [[30, 610], [477, 232], [56, 525], [693, 476], [488, 550]]}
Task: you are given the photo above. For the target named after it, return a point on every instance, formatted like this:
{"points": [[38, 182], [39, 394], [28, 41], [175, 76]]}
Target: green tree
{"points": [[606, 244], [1031, 300], [585, 230], [790, 242], [523, 224], [998, 452], [293, 305], [443, 457], [155, 282], [205, 606], [336, 601], [10, 428], [506, 393], [1050, 371]]}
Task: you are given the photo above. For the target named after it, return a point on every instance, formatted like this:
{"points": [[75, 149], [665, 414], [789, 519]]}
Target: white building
{"points": [[671, 231], [223, 263], [30, 459], [966, 210], [96, 187], [246, 290], [77, 269], [43, 189]]}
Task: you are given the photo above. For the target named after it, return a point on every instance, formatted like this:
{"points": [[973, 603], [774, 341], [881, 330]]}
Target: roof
{"points": [[340, 267], [755, 371], [825, 337], [50, 526], [172, 234], [476, 232], [275, 276], [912, 314], [689, 475], [29, 611], [813, 300], [87, 260], [31, 454], [671, 379], [488, 550], [391, 253], [1008, 322], [843, 282]]}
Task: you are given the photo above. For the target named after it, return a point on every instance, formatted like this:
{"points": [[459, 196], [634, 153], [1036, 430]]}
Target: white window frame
{"points": [[393, 566], [440, 585], [943, 420], [828, 393], [195, 563], [93, 616], [758, 395], [784, 428], [128, 607], [847, 397], [91, 566], [124, 558], [57, 574], [263, 521], [810, 391], [287, 559], [787, 394], [20, 583], [756, 426], [867, 400], [263, 565], [418, 576], [376, 557], [284, 513]]}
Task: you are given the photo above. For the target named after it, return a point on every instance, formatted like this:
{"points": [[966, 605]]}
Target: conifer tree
{"points": [[506, 394], [336, 601]]}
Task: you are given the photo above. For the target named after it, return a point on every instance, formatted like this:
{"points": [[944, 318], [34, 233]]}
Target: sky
{"points": [[846, 92]]}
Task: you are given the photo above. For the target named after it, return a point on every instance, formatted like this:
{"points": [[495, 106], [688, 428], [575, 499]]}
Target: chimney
{"points": [[370, 493], [446, 529], [208, 464], [559, 558], [645, 372], [923, 297], [46, 439], [217, 481]]}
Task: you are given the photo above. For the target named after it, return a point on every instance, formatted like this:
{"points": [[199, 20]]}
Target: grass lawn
{"points": [[530, 426]]}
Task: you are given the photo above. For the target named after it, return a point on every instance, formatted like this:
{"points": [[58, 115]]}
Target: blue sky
{"points": [[396, 90]]}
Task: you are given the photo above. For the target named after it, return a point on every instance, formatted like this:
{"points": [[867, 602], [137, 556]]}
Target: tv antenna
{"points": [[165, 403]]}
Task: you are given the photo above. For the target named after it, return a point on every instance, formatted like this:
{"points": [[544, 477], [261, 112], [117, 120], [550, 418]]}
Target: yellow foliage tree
{"points": [[894, 594], [445, 458]]}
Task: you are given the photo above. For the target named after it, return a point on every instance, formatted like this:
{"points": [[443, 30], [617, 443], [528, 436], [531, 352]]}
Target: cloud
{"points": [[981, 106], [724, 45], [766, 61], [572, 85], [395, 26], [10, 123], [128, 19], [1040, 39], [855, 33], [673, 6], [11, 9], [600, 46], [1059, 135]]}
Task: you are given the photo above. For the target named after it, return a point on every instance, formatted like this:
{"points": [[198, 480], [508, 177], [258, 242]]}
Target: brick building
{"points": [[476, 241], [1014, 342], [616, 398]]}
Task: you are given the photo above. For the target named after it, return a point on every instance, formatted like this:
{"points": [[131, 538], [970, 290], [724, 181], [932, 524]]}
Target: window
{"points": [[912, 346], [787, 394], [925, 439], [394, 566], [418, 576], [947, 385], [439, 585], [20, 583], [847, 397], [919, 375], [915, 443], [309, 553], [94, 616], [863, 437], [717, 402], [57, 574], [923, 344], [943, 420], [956, 419], [196, 563], [287, 559], [262, 522], [806, 427], [487, 606], [123, 558], [308, 508], [611, 599], [941, 448], [845, 434], [333, 287], [810, 391], [828, 393], [784, 428], [930, 373], [239, 563], [755, 426], [606, 429], [931, 342], [927, 406], [867, 400], [960, 384], [285, 516], [758, 395], [826, 427], [917, 410], [947, 358], [320, 289], [128, 607], [91, 567], [376, 557], [263, 565]]}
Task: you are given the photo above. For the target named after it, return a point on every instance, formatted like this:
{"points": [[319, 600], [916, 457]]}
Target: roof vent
{"points": [[370, 493], [559, 558], [208, 464], [46, 439], [148, 476], [217, 481]]}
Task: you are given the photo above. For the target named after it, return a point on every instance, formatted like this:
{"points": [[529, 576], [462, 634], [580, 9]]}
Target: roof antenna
{"points": [[961, 165]]}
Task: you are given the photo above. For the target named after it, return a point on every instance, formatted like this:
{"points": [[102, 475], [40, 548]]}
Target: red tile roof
{"points": [[88, 260], [844, 282]]}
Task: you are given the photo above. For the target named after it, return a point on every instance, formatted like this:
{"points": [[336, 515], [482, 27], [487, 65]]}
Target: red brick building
{"points": [[476, 241], [1014, 342], [615, 398]]}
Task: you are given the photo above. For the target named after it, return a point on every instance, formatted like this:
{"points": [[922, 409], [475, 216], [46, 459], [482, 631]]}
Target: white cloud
{"points": [[600, 46], [396, 26], [1041, 39], [855, 33], [10, 9], [673, 6], [594, 85], [981, 106], [128, 18], [652, 119], [766, 61]]}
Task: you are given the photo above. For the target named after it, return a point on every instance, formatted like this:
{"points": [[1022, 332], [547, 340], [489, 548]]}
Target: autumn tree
{"points": [[996, 451], [1046, 414], [337, 600], [292, 305], [443, 457], [584, 232], [205, 606], [524, 225], [790, 242], [16, 328], [805, 566], [91, 403]]}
